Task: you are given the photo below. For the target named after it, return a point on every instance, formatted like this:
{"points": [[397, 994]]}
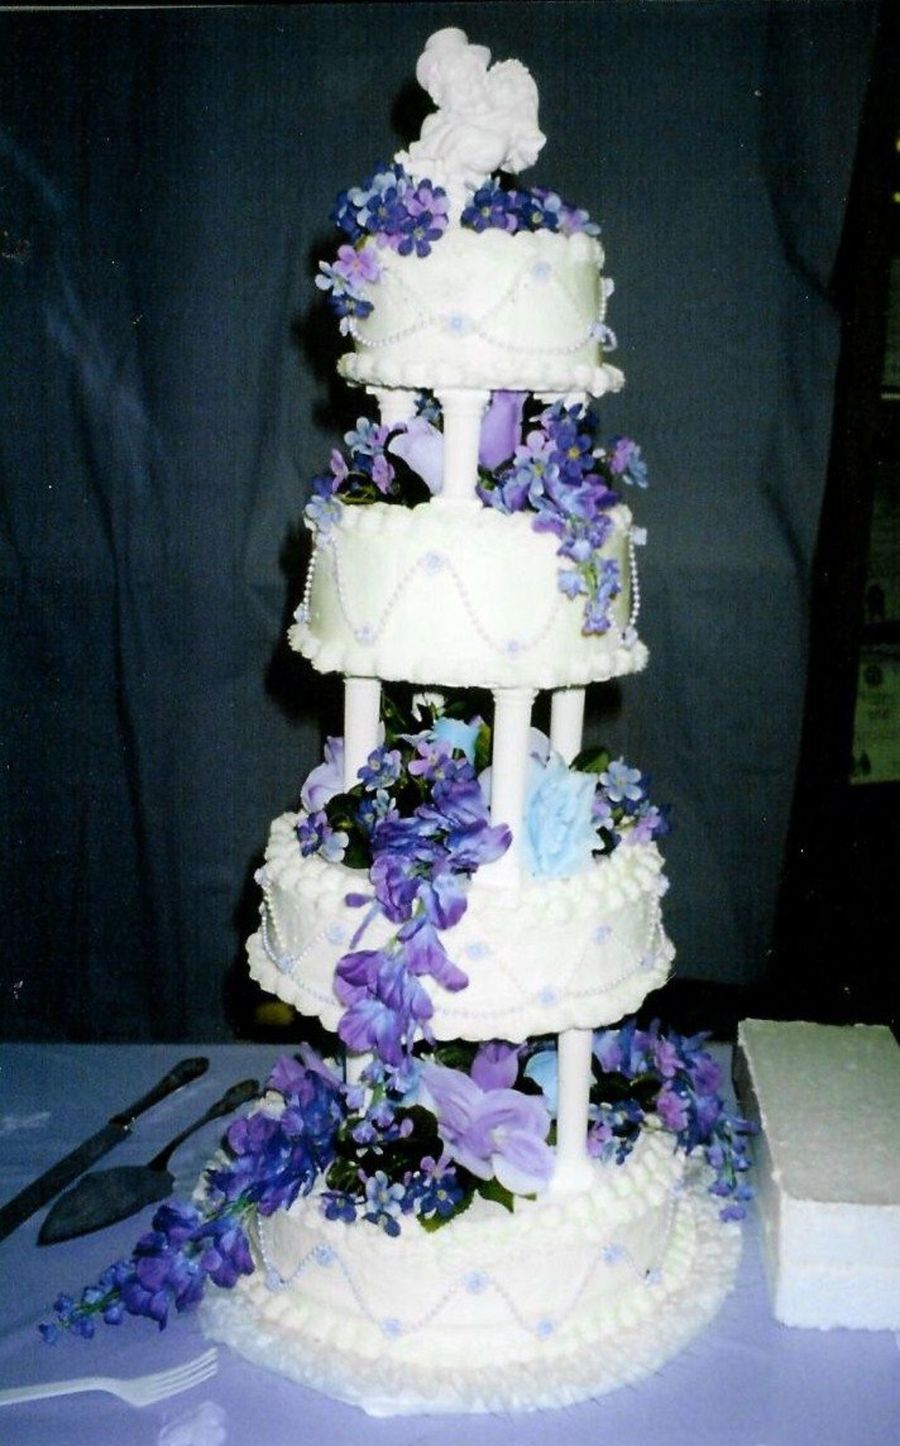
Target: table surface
{"points": [[745, 1381]]}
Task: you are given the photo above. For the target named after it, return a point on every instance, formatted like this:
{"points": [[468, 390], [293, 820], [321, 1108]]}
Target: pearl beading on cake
{"points": [[432, 563], [456, 325], [635, 580], [303, 609]]}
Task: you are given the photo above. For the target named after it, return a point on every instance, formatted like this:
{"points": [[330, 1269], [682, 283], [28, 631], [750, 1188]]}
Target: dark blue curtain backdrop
{"points": [[166, 392]]}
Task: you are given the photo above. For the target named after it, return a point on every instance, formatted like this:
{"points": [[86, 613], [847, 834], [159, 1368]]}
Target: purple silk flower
{"points": [[499, 1132]]}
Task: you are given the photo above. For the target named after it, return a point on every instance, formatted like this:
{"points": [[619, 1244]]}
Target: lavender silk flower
{"points": [[496, 1065], [501, 428], [499, 1133], [325, 780], [421, 447]]}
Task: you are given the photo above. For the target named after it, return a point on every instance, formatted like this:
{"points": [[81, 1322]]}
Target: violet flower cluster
{"points": [[492, 206], [560, 472], [401, 464], [393, 211], [384, 1148], [642, 1074], [551, 464], [389, 210], [418, 822], [275, 1154]]}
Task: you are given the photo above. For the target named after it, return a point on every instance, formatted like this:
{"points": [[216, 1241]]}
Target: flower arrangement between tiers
{"points": [[544, 460], [417, 822], [393, 211], [416, 1144]]}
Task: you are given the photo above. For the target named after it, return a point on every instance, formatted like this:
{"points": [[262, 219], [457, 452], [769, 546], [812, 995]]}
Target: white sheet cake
{"points": [[827, 1099]]}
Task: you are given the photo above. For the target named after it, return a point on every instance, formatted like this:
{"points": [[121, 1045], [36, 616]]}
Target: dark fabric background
{"points": [[166, 391]]}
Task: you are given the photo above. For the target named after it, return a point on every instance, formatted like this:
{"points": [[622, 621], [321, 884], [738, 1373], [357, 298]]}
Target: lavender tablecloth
{"points": [[746, 1381]]}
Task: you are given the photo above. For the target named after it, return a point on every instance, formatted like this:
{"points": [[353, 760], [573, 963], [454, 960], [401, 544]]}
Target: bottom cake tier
{"points": [[563, 1299]]}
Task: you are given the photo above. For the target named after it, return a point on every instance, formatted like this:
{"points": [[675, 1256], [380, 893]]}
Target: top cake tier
{"points": [[517, 312], [449, 279]]}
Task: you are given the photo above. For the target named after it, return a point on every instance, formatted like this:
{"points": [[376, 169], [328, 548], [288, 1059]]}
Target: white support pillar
{"points": [[573, 1167], [362, 724], [573, 1170], [395, 404], [463, 409], [509, 774], [567, 721]]}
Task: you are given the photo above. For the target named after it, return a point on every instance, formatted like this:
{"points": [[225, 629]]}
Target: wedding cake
{"points": [[497, 1191], [484, 1208]]}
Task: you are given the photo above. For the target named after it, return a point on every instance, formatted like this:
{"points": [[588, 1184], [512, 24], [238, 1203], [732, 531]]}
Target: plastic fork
{"points": [[138, 1391]]}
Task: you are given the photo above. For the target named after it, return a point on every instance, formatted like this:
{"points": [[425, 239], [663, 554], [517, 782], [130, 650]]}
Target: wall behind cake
{"points": [[167, 390]]}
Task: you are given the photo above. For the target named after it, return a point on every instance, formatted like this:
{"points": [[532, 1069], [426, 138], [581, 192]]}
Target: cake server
{"points": [[118, 1128], [105, 1196]]}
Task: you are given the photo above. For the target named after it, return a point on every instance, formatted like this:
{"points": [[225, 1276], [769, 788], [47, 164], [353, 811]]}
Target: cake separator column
{"points": [[509, 774], [567, 721], [362, 724], [362, 734], [574, 1046], [462, 410], [395, 404]]}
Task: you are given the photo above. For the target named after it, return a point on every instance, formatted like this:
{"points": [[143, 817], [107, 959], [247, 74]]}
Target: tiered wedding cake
{"points": [[477, 1218]]}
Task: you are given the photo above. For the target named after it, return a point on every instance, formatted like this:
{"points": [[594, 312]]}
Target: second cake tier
{"points": [[459, 594], [542, 956]]}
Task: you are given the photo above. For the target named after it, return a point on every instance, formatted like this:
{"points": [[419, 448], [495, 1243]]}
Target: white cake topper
{"points": [[486, 118]]}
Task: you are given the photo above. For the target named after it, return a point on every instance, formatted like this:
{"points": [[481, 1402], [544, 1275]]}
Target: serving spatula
{"points": [[117, 1129], [105, 1196]]}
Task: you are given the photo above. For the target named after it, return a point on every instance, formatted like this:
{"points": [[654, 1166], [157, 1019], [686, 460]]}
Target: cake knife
{"points": [[105, 1196], [118, 1128]]}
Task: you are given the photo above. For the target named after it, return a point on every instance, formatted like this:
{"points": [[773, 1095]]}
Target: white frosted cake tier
{"points": [[551, 954], [562, 1299], [506, 312], [459, 594]]}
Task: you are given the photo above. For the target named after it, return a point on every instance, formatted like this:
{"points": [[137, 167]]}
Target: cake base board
{"points": [[602, 1363]]}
